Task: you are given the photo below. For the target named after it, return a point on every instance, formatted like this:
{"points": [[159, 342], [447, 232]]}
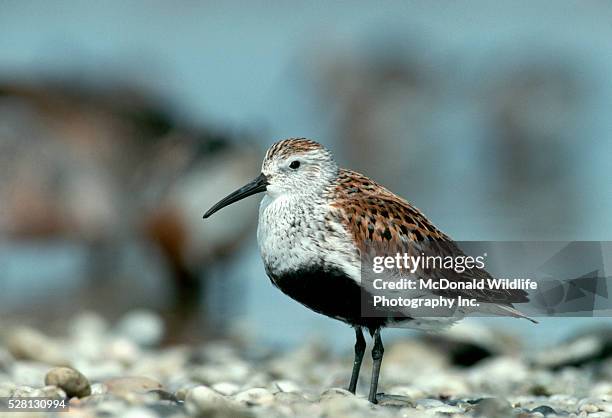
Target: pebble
{"points": [[492, 408], [291, 398], [544, 410], [395, 401], [69, 380], [204, 401], [29, 344], [130, 378], [143, 327], [286, 386], [255, 396], [204, 396], [236, 371], [226, 388], [51, 391], [123, 350], [588, 408], [333, 393], [339, 405], [87, 324], [123, 386]]}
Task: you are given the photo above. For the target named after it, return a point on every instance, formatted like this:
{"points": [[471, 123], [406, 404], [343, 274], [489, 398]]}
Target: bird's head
{"points": [[292, 167]]}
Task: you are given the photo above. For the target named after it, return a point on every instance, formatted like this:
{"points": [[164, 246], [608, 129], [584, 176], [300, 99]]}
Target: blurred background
{"points": [[122, 122]]}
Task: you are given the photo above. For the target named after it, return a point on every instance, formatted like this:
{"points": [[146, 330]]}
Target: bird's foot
{"points": [[396, 401], [374, 399]]}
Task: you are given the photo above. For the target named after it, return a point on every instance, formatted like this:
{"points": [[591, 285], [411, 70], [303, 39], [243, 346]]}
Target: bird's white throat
{"points": [[294, 232]]}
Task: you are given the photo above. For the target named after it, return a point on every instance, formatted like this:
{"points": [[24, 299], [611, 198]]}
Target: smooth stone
{"points": [[286, 386], [544, 410], [595, 404], [170, 362], [226, 388], [69, 380], [255, 396], [143, 327], [87, 333], [333, 393], [345, 406], [395, 401], [52, 392], [290, 398], [492, 408], [203, 401], [499, 371], [29, 344], [236, 371], [203, 398], [600, 389], [123, 350], [588, 408], [86, 324], [256, 380], [123, 386]]}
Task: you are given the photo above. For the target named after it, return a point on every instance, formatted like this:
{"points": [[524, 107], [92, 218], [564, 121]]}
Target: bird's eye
{"points": [[294, 165]]}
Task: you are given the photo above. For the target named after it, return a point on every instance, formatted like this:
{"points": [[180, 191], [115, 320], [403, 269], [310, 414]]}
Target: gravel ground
{"points": [[119, 370]]}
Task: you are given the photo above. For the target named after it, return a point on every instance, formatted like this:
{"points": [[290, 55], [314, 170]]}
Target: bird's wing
{"points": [[380, 222]]}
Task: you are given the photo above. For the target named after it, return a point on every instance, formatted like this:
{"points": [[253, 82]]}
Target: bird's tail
{"points": [[508, 310]]}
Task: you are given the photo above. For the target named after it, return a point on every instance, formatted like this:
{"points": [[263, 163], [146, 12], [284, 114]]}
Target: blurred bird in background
{"points": [[109, 166]]}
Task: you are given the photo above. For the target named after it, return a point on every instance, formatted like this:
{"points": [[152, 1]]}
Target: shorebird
{"points": [[101, 166], [318, 221]]}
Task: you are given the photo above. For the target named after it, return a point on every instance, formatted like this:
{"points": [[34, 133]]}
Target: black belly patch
{"points": [[332, 293]]}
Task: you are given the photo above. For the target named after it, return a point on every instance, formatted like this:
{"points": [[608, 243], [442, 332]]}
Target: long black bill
{"points": [[258, 185]]}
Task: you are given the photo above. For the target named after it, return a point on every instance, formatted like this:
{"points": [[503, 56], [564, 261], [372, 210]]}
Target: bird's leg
{"points": [[377, 354], [360, 346]]}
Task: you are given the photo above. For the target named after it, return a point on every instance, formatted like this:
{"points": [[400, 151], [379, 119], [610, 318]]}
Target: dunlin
{"points": [[318, 221]]}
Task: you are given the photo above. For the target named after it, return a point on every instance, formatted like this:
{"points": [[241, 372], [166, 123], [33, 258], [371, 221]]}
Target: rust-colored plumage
{"points": [[292, 146], [372, 213], [381, 222], [319, 223]]}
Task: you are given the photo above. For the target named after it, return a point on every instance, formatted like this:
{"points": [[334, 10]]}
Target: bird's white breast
{"points": [[294, 234]]}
